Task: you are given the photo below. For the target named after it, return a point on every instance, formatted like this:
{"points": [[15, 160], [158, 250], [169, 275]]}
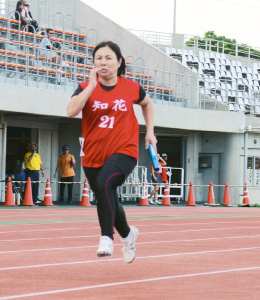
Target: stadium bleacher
{"points": [[20, 60], [223, 79], [231, 80]]}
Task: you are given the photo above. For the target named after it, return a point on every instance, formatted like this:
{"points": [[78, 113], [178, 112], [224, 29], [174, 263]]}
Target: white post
{"points": [[3, 159], [174, 17]]}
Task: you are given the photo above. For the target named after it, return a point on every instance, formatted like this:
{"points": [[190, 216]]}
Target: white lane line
{"points": [[112, 284], [140, 243], [140, 233], [50, 223], [169, 217], [139, 225], [52, 238], [120, 259], [49, 229]]}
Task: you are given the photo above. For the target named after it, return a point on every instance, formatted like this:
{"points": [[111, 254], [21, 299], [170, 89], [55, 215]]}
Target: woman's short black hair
{"points": [[115, 48]]}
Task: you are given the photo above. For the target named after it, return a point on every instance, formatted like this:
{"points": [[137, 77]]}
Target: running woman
{"points": [[110, 133]]}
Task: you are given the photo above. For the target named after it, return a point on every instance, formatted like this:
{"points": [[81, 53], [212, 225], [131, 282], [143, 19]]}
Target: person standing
{"points": [[33, 165], [110, 133], [65, 164], [156, 179], [164, 170]]}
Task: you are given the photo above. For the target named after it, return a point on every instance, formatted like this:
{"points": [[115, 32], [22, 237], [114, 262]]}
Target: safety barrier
{"points": [[140, 185], [176, 190]]}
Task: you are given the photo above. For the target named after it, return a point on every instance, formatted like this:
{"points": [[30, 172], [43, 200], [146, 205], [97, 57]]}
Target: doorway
{"points": [[17, 140], [174, 147], [209, 168]]}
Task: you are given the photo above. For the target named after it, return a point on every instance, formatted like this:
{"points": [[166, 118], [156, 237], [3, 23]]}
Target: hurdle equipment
{"points": [[166, 196], [226, 198], [85, 195], [47, 201], [9, 196], [191, 198], [246, 196], [144, 198], [211, 197], [28, 199]]}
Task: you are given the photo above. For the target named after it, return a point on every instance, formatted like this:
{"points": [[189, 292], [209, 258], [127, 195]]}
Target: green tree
{"points": [[212, 42]]}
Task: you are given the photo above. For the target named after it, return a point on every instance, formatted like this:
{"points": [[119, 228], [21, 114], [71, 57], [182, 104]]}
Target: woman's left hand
{"points": [[150, 138]]}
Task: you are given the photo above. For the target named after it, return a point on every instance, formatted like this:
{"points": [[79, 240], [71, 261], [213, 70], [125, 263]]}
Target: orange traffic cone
{"points": [[246, 196], [191, 198], [9, 196], [211, 197], [226, 199], [166, 199], [28, 199], [85, 195], [144, 198], [47, 201]]}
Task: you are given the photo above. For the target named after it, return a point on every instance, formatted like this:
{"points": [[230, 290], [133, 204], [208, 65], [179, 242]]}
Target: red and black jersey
{"points": [[109, 124]]}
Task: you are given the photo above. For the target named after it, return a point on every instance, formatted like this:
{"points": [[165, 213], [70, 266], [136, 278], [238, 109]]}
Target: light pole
{"points": [[174, 17]]}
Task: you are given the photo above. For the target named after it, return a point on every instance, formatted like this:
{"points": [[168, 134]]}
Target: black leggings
{"points": [[63, 185], [104, 182]]}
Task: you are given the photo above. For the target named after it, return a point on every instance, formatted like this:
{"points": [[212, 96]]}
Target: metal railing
{"points": [[134, 184], [176, 184], [153, 37], [22, 64], [132, 188], [162, 40]]}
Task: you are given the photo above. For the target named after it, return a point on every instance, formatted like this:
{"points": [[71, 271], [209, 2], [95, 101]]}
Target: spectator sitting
{"points": [[46, 47], [34, 23], [19, 15]]}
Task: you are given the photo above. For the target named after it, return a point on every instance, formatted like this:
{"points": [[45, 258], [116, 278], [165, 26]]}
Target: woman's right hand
{"points": [[93, 77]]}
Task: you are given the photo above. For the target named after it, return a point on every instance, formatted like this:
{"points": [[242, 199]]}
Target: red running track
{"points": [[182, 253]]}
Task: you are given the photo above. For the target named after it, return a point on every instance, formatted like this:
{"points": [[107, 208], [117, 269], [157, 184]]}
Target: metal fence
{"points": [[133, 187], [22, 64], [162, 40]]}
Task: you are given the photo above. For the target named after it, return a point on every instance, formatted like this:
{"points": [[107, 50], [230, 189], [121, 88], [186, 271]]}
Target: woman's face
{"points": [[106, 59]]}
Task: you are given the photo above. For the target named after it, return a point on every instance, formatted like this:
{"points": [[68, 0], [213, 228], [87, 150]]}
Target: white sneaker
{"points": [[157, 202], [105, 246], [129, 245], [150, 200]]}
